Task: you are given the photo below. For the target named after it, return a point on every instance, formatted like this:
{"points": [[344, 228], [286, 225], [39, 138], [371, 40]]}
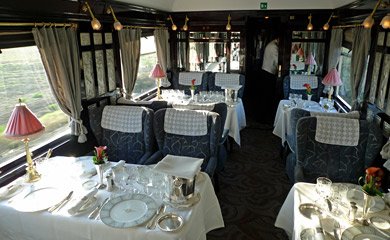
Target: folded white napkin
{"points": [[179, 166], [76, 207], [118, 165]]}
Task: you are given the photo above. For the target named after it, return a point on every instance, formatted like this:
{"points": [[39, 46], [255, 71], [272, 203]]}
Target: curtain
{"points": [[335, 47], [130, 45], [161, 37], [60, 56], [360, 50]]}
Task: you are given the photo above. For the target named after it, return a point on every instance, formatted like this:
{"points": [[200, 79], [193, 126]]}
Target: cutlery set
{"points": [[95, 213], [59, 205], [152, 223]]}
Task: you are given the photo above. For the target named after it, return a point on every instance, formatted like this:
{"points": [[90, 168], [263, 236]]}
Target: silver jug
{"points": [[179, 190]]}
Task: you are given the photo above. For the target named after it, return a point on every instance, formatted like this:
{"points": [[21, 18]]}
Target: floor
{"points": [[253, 187]]}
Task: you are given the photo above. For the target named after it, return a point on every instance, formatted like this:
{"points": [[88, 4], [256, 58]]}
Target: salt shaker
{"points": [[352, 212], [110, 182]]}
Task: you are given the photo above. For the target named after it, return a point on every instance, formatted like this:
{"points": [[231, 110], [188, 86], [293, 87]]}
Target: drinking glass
{"points": [[324, 189]]}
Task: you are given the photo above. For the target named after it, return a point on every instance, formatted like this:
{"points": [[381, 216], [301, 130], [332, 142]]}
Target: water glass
{"points": [[324, 187]]}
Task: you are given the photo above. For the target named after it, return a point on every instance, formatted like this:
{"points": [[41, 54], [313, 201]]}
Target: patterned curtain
{"points": [[161, 37], [130, 45], [60, 56]]}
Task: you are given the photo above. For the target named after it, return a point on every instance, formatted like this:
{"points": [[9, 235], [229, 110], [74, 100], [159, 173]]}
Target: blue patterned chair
{"points": [[182, 81], [287, 89], [220, 79], [340, 163], [127, 131], [188, 133], [154, 105]]}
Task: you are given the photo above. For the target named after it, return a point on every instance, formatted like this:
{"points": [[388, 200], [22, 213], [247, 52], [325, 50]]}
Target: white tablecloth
{"points": [[198, 220], [293, 222], [282, 126]]}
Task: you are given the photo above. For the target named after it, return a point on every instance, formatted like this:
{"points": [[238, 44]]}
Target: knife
{"points": [[96, 211], [62, 203]]}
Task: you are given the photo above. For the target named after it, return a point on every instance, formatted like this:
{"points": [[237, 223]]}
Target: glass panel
{"points": [[97, 39], [147, 61], [381, 38], [300, 53], [344, 68], [111, 69], [23, 76], [208, 35], [181, 55], [208, 56], [383, 87], [100, 67], [181, 35], [375, 73], [85, 40], [108, 38], [235, 56], [308, 35], [388, 39], [88, 75], [235, 36]]}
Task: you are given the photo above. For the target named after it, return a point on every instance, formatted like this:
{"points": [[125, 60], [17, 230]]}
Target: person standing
{"points": [[268, 79]]}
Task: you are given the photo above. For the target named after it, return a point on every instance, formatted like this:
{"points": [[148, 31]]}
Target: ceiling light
{"points": [[185, 27], [94, 22], [369, 21], [326, 25], [117, 25], [385, 23], [309, 26], [174, 27], [228, 26]]}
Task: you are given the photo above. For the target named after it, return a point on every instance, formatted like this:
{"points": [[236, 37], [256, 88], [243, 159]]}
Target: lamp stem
{"points": [[375, 8], [32, 174], [158, 88]]}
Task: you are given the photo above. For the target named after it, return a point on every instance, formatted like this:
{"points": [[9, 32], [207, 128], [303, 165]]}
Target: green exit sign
{"points": [[263, 5]]}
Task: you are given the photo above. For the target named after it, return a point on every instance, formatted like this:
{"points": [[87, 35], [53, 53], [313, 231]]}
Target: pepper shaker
{"points": [[352, 212], [110, 182]]}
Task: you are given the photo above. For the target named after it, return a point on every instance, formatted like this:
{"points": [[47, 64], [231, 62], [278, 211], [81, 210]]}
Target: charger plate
{"points": [[128, 210], [361, 233], [356, 195]]}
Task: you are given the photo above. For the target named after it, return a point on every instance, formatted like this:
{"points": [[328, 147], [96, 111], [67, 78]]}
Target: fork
{"points": [[336, 227]]}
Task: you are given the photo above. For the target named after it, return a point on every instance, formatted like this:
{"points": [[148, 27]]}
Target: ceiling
{"points": [[216, 5]]}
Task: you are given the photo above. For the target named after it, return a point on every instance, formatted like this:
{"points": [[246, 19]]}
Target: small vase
{"points": [[192, 94], [309, 97], [366, 206], [99, 170]]}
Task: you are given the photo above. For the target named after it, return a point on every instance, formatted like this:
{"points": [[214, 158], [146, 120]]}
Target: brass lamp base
{"points": [[158, 89], [31, 173]]}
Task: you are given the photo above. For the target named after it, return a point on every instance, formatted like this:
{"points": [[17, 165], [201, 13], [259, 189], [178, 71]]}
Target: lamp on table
{"points": [[22, 125], [332, 79], [310, 61], [157, 73]]}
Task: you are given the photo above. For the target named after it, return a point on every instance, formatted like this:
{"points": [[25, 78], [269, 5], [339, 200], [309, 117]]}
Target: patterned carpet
{"points": [[253, 187]]}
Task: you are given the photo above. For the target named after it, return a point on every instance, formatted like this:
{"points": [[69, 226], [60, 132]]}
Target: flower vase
{"points": [[99, 170], [192, 94], [309, 97], [366, 207]]}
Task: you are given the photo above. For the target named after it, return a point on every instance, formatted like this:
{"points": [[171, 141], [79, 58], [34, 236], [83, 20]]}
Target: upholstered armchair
{"points": [[342, 162], [188, 133], [231, 79], [182, 81], [294, 84], [154, 105], [127, 131]]}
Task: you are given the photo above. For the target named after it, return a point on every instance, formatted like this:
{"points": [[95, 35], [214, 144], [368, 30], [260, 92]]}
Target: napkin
{"points": [[118, 165], [179, 166], [76, 207]]}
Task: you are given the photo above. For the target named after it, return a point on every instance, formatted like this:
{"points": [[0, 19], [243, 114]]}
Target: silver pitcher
{"points": [[180, 190]]}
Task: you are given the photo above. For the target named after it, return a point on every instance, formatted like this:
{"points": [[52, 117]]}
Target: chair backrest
{"points": [[296, 114], [182, 81], [154, 105], [338, 162], [294, 84], [220, 79], [127, 131], [174, 130]]}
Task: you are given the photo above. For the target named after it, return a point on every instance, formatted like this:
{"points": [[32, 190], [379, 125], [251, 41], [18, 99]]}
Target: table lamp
{"points": [[301, 54], [310, 61], [21, 125], [157, 73], [332, 79]]}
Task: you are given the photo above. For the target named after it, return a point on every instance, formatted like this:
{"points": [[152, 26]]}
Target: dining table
{"points": [[282, 126], [305, 215], [25, 216]]}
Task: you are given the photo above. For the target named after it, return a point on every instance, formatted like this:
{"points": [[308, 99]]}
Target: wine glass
{"points": [[324, 188]]}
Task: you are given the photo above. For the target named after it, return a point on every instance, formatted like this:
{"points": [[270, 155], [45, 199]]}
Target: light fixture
{"points": [[174, 27], [385, 23], [266, 17], [309, 26], [117, 25], [94, 22], [369, 21], [332, 79], [185, 27], [157, 73], [228, 26], [311, 62], [326, 25], [21, 125]]}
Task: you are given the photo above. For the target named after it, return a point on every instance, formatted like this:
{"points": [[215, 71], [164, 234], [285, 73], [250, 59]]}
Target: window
{"points": [[147, 61], [344, 91], [23, 76]]}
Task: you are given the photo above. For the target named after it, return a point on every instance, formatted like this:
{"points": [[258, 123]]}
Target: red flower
{"points": [[193, 87], [308, 88], [100, 155], [372, 181]]}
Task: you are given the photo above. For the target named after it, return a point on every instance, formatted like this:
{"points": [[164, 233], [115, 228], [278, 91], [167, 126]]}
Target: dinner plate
{"points": [[10, 191], [40, 199], [380, 222], [361, 233], [128, 210], [357, 195]]}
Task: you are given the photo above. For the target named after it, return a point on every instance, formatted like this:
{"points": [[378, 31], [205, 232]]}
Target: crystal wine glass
{"points": [[324, 188]]}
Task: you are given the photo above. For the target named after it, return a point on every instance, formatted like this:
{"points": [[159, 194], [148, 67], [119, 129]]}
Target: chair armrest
{"points": [[210, 167], [155, 158], [144, 158], [298, 174], [225, 135]]}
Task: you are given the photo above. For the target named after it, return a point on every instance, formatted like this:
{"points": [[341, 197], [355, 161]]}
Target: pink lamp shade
{"points": [[22, 123], [157, 72], [310, 60], [332, 78], [300, 52]]}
